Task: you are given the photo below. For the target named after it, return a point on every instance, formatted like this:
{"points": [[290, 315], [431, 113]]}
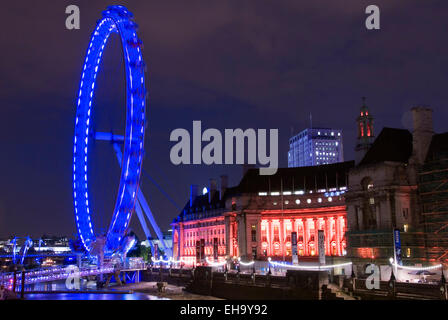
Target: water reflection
{"points": [[60, 286], [92, 296]]}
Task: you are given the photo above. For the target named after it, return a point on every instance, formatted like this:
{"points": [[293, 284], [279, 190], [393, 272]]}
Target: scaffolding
{"points": [[433, 191]]}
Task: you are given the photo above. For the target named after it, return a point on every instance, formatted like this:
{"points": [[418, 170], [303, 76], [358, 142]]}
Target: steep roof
{"points": [[391, 145], [438, 147], [293, 179], [202, 201]]}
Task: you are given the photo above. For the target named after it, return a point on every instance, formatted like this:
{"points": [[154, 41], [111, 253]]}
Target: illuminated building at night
{"points": [[366, 134], [255, 219], [399, 185], [433, 190], [315, 146]]}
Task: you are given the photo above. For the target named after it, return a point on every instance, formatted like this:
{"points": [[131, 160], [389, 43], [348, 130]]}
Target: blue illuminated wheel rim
{"points": [[119, 20]]}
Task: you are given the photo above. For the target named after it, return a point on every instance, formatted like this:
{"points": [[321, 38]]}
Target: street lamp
{"points": [[443, 288], [269, 266]]}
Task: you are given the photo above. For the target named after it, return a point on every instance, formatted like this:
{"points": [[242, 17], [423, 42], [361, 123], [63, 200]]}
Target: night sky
{"points": [[230, 64]]}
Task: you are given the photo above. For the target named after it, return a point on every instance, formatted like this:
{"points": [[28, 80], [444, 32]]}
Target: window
{"points": [[369, 215], [357, 211], [405, 213], [406, 228], [367, 184], [254, 233], [276, 233], [254, 252]]}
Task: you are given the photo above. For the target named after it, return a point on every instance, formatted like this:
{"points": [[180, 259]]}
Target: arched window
{"points": [[367, 183], [368, 207]]}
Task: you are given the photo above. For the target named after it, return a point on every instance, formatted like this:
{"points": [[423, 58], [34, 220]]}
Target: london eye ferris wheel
{"points": [[116, 19]]}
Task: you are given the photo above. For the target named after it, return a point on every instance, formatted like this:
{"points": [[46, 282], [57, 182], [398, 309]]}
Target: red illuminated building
{"points": [[255, 219]]}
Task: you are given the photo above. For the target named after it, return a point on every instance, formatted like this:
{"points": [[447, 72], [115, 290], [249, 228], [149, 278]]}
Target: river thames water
{"points": [[92, 296], [131, 291]]}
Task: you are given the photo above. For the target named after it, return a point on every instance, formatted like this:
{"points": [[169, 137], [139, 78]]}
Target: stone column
{"points": [[305, 237], [298, 235], [327, 237], [338, 235], [228, 232], [269, 236], [242, 235], [378, 216], [316, 235], [295, 227], [259, 245], [282, 237], [181, 240], [360, 217]]}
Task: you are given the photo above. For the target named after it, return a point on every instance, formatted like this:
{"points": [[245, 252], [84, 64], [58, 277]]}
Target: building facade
{"points": [[399, 185], [201, 227], [255, 219], [315, 146], [433, 191]]}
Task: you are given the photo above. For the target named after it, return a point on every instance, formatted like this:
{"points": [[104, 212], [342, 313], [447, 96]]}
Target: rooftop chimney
{"points": [[212, 190], [193, 193], [422, 133], [224, 185]]}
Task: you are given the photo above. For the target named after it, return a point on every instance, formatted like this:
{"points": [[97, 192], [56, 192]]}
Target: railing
{"points": [[394, 290], [53, 274]]}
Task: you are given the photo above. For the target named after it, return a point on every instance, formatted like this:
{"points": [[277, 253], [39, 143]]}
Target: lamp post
{"points": [[22, 287], [443, 288], [353, 280], [225, 272], [269, 273], [269, 266], [14, 280], [391, 285], [253, 273], [238, 270], [160, 273]]}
